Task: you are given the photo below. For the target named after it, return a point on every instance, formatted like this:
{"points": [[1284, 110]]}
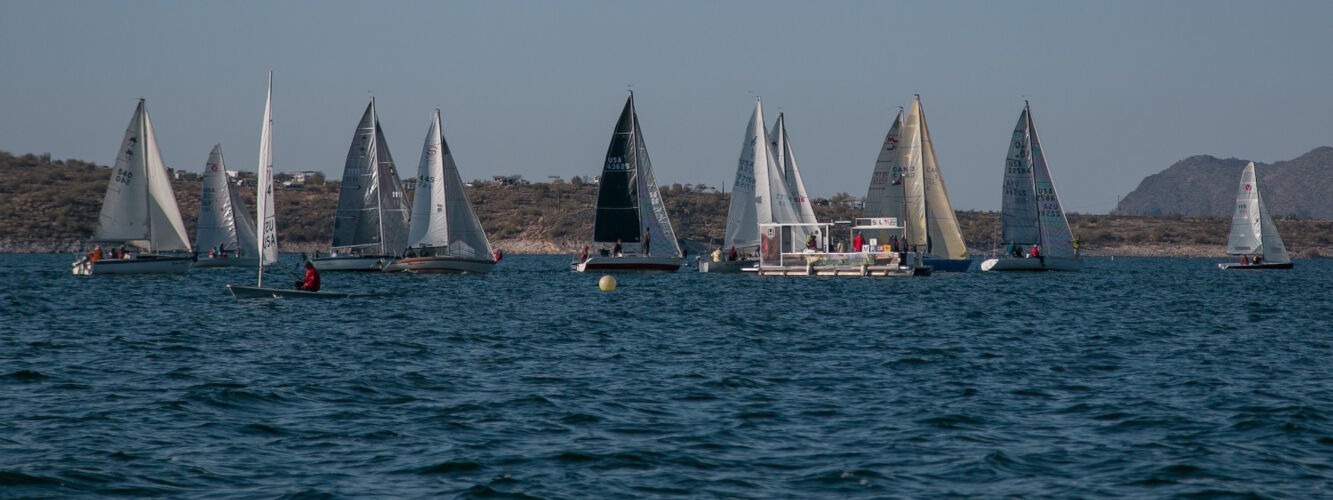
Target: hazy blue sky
{"points": [[1119, 90]]}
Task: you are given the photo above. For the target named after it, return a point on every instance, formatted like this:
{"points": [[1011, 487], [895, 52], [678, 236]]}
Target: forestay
{"points": [[442, 217], [140, 208]]}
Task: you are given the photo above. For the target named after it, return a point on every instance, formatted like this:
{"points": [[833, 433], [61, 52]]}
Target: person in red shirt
{"points": [[311, 283], [857, 242]]}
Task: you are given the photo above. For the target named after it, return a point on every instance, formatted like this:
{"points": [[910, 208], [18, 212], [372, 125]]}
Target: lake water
{"points": [[1137, 377]]}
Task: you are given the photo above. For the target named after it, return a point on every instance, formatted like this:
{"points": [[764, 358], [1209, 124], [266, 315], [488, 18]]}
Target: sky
{"points": [[1119, 90]]}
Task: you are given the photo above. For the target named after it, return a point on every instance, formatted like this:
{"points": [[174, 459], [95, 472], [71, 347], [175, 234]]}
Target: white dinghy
{"points": [[1253, 235]]}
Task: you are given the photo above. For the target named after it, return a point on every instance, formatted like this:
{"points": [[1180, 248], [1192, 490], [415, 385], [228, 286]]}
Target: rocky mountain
{"points": [[1203, 185]]}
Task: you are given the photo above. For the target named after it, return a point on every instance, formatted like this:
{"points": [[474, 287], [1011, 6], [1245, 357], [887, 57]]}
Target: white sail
{"points": [[910, 160], [785, 160], [441, 213], [652, 209], [217, 216], [140, 208], [884, 197], [1252, 228], [268, 244], [1018, 207], [743, 212], [945, 238]]}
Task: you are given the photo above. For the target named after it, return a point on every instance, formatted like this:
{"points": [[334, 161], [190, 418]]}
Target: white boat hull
{"points": [[727, 266], [1030, 264], [250, 292], [629, 263], [226, 262], [441, 265], [374, 263], [147, 264]]}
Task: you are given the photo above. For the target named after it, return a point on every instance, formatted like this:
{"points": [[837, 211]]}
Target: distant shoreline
{"points": [[524, 247]]}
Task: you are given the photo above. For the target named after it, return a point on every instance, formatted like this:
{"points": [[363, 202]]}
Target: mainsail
{"points": [[628, 200], [140, 208], [372, 213], [1252, 228], [441, 214], [268, 243], [1018, 207], [884, 198], [759, 194]]}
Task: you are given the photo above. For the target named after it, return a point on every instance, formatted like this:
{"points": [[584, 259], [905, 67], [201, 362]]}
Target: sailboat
{"points": [[1253, 233], [224, 230], [1031, 213], [630, 207], [370, 225], [786, 163], [267, 246], [446, 235], [759, 195], [907, 184], [139, 210]]}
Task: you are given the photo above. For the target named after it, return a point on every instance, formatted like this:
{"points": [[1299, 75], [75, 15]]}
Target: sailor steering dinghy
{"points": [[267, 244], [1253, 233], [1031, 213], [139, 210], [629, 206]]}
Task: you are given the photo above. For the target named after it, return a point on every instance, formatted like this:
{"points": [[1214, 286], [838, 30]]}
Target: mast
{"points": [[379, 194], [1031, 131], [264, 186]]}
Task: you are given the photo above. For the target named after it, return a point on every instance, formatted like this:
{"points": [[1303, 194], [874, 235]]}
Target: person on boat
{"points": [[810, 242], [717, 254], [120, 253], [583, 256], [497, 254], [732, 254], [311, 282], [646, 238], [857, 242], [96, 254], [618, 250], [1257, 259], [1034, 252], [1074, 243], [1244, 260], [1009, 249]]}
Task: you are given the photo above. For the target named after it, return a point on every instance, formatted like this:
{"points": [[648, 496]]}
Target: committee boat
{"points": [[785, 252], [908, 185], [370, 225], [446, 235], [1253, 235], [1030, 213], [224, 231], [266, 247], [759, 195], [630, 213], [139, 211]]}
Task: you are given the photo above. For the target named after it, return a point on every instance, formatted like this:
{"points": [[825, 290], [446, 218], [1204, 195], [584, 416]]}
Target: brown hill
{"points": [[52, 206], [1205, 186]]}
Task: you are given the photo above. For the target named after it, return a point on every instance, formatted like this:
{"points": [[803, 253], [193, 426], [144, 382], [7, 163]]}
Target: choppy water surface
{"points": [[1135, 377]]}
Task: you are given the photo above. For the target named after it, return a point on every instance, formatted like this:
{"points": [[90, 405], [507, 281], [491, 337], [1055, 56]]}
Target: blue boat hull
{"points": [[949, 265]]}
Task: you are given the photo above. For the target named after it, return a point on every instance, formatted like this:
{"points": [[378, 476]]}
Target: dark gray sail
{"points": [[617, 215], [372, 208]]}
